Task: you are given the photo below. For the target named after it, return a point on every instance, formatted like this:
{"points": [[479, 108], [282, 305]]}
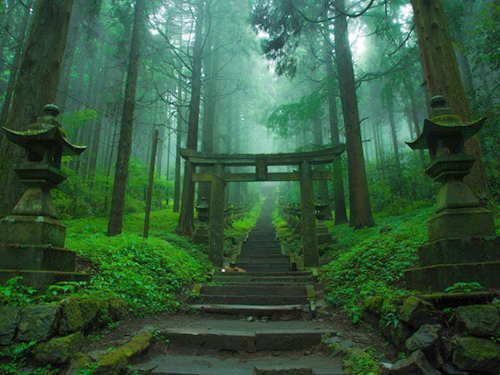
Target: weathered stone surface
{"points": [[9, 319], [452, 370], [71, 317], [38, 323], [416, 364], [94, 312], [479, 320], [416, 312], [32, 230], [440, 276], [116, 362], [117, 309], [58, 349], [476, 355], [373, 304], [427, 340]]}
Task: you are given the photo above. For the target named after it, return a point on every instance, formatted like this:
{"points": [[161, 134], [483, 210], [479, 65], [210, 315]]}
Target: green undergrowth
{"points": [[238, 230], [152, 275], [290, 240], [371, 261]]}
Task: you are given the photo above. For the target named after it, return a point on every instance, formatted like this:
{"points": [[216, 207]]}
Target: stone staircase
{"points": [[268, 287], [257, 322]]}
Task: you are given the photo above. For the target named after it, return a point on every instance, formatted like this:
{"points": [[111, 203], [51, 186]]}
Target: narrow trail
{"points": [[249, 323]]}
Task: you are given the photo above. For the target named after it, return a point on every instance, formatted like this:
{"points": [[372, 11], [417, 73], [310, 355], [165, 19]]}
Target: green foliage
{"points": [[371, 261], [17, 354], [463, 287], [14, 292], [151, 275], [82, 197]]}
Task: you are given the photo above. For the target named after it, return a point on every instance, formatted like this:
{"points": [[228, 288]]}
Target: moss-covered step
{"points": [[40, 280]]}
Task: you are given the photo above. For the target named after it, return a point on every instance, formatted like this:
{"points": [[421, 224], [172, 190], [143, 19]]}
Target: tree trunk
{"points": [[42, 59], [186, 218], [360, 207], [443, 78], [394, 135], [209, 105], [125, 141], [14, 70], [414, 116], [177, 177]]}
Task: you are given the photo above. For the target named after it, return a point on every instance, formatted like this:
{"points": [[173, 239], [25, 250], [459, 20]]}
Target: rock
{"points": [[344, 345], [94, 312], [59, 349], [9, 319], [476, 355], [38, 323], [416, 364], [116, 362], [71, 317], [416, 312], [373, 305], [427, 340], [479, 320], [452, 370], [78, 363], [426, 336], [117, 309]]}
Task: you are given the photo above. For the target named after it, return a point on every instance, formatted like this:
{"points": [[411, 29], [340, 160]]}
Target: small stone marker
{"points": [[459, 219], [203, 209], [31, 238], [321, 230]]}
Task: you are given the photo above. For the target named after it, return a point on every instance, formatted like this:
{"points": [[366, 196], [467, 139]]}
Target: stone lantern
{"points": [[31, 238], [321, 230], [462, 244], [203, 209], [458, 212]]}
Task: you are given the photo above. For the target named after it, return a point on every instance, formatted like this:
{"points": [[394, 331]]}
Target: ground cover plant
{"points": [[370, 261]]}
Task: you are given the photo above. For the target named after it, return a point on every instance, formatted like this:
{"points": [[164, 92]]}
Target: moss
{"points": [[359, 362], [373, 305], [476, 355], [71, 316], [416, 312], [59, 349], [114, 362]]}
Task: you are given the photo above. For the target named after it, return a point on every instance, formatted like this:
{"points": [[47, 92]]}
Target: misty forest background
{"points": [[250, 104], [243, 77]]}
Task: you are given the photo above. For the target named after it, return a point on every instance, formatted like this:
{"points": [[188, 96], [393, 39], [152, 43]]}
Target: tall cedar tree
{"points": [[361, 212], [443, 77], [35, 86], [186, 218], [125, 143], [15, 64]]}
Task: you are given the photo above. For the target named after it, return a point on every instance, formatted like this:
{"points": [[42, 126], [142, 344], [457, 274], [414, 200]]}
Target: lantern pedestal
{"points": [[461, 223], [462, 244], [31, 238]]}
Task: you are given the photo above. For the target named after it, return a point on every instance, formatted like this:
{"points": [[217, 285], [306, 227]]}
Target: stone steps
{"points": [[268, 290], [179, 364]]}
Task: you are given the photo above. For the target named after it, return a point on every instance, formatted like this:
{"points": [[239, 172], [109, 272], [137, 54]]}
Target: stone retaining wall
{"points": [[57, 327], [462, 339]]}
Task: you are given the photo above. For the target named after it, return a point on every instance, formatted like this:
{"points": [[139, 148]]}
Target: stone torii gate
{"points": [[219, 176]]}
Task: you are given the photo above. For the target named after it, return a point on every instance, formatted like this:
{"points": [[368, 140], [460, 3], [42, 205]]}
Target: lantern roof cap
{"points": [[47, 128], [442, 121]]}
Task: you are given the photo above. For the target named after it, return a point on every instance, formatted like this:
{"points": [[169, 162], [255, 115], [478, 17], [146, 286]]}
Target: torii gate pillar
{"points": [[309, 238], [216, 221]]}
